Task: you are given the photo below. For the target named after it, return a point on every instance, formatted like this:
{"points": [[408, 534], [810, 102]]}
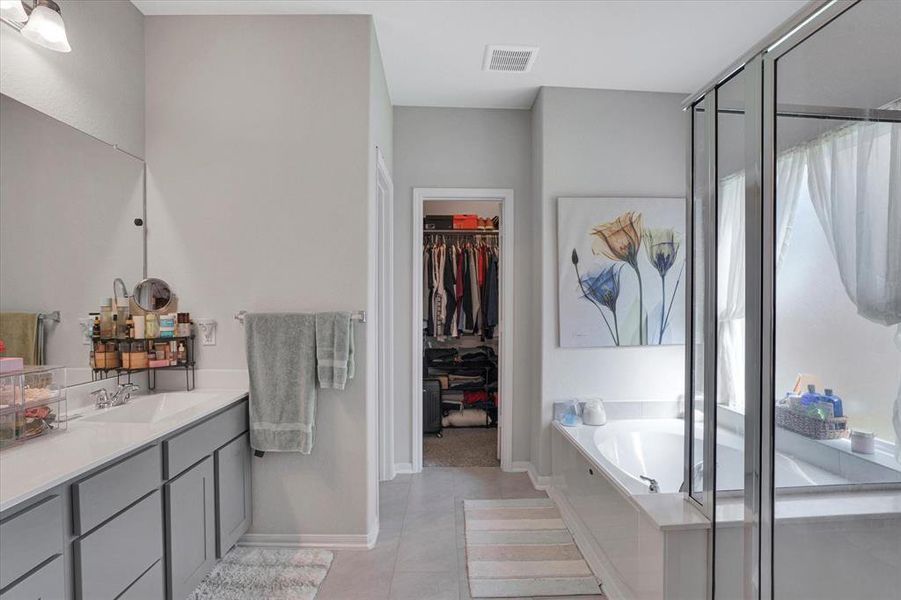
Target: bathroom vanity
{"points": [[133, 502]]}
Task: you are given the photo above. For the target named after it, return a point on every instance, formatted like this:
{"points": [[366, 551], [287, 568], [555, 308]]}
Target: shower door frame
{"points": [[759, 65]]}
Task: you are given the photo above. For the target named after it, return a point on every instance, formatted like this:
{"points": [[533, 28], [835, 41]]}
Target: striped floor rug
{"points": [[522, 548]]}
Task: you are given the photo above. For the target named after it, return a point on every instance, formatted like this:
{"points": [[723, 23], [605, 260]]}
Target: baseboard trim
{"points": [[311, 540], [540, 482], [519, 466], [592, 553], [403, 468]]}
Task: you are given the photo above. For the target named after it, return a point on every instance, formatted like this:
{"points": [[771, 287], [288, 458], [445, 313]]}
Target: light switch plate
{"points": [[207, 329]]}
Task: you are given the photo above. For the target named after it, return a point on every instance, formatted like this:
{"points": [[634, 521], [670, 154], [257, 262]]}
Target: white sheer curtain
{"points": [[855, 186], [791, 170], [730, 335]]}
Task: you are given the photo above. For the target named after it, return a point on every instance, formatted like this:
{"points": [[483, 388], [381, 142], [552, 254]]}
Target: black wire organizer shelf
{"points": [[124, 375]]}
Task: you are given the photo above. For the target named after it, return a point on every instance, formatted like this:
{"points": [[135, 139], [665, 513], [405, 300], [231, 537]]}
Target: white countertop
{"points": [[41, 464]]}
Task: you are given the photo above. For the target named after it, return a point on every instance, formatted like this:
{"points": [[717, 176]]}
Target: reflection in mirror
{"points": [[68, 204], [154, 295]]}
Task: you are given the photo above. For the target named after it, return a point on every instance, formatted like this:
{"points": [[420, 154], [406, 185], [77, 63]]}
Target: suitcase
{"points": [[431, 406]]}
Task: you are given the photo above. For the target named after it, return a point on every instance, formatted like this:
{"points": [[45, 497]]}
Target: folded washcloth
{"points": [[334, 349], [281, 360]]}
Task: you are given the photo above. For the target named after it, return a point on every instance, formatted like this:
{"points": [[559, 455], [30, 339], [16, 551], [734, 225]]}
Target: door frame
{"points": [[505, 343], [385, 317]]}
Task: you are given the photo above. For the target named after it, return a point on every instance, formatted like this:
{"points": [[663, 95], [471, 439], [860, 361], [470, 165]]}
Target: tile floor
{"points": [[420, 554]]}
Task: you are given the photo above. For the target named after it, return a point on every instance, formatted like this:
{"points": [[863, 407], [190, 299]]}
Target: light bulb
{"points": [[45, 27], [12, 10]]}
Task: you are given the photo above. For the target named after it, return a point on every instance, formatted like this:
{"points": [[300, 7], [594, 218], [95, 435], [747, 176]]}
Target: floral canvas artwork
{"points": [[621, 271]]}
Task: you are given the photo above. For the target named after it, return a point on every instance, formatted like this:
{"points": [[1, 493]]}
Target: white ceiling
{"points": [[432, 49]]}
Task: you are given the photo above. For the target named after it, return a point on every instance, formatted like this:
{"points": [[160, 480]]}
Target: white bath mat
{"points": [[522, 548], [252, 573]]}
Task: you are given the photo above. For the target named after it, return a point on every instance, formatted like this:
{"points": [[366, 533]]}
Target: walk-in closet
{"points": [[461, 318]]}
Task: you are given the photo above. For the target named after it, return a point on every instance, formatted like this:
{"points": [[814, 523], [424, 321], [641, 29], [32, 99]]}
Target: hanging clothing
{"points": [[460, 292], [492, 290]]}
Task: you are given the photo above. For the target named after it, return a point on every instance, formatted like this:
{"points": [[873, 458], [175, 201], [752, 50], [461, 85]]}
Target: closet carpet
{"points": [[462, 447]]}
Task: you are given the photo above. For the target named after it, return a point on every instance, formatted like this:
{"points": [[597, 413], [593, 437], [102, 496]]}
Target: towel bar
{"points": [[359, 315]]}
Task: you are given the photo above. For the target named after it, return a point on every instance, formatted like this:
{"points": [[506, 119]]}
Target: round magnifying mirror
{"points": [[153, 295]]}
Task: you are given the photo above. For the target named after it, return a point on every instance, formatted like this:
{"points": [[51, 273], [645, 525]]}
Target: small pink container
{"points": [[10, 364]]}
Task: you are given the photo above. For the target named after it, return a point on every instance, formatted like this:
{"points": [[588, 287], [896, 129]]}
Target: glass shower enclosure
{"points": [[793, 366]]}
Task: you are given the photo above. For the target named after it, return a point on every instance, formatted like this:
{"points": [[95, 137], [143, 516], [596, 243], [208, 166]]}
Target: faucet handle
{"points": [[101, 397]]}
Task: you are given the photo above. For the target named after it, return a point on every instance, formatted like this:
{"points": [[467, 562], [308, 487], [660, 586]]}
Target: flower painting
{"points": [[621, 271]]}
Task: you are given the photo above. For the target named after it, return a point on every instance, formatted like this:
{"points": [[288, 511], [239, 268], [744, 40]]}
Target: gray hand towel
{"points": [[334, 349], [281, 360]]}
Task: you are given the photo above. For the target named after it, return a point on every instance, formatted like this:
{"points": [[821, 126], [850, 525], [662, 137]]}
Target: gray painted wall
{"points": [[601, 143], [258, 141], [99, 86], [475, 148]]}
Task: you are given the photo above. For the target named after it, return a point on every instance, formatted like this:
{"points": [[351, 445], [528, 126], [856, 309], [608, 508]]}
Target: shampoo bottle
{"points": [[837, 409]]}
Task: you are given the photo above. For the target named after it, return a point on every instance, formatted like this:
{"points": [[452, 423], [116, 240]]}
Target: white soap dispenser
{"points": [[594, 412]]}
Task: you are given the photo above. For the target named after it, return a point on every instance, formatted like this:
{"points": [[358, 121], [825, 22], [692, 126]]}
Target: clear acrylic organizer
{"points": [[32, 403]]}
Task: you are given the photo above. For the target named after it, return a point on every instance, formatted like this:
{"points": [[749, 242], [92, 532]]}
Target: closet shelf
{"points": [[462, 231]]}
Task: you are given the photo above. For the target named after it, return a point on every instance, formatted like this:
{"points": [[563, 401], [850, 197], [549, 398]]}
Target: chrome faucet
{"points": [[121, 396], [653, 487], [101, 398]]}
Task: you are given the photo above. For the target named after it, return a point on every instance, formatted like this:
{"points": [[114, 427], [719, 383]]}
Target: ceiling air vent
{"points": [[509, 59]]}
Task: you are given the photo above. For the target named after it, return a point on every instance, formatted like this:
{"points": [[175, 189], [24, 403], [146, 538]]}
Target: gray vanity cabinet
{"points": [[190, 528], [233, 493], [47, 583]]}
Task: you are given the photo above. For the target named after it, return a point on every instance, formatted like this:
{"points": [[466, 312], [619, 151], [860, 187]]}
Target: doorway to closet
{"points": [[462, 299]]}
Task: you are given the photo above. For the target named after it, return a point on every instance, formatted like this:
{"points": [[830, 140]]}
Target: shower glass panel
{"points": [[700, 207], [730, 336], [837, 270]]}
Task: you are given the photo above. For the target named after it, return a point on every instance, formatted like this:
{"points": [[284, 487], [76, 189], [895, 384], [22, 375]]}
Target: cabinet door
{"points": [[190, 527], [46, 583], [233, 493]]}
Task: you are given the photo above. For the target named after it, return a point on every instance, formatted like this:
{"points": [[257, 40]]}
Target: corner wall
{"points": [[468, 148], [259, 194], [600, 143]]}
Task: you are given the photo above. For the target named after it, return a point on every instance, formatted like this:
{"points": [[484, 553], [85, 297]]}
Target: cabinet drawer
{"points": [[102, 495], [149, 586], [110, 558], [29, 538], [190, 446], [47, 583]]}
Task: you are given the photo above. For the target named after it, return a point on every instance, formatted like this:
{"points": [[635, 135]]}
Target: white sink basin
{"points": [[149, 409]]}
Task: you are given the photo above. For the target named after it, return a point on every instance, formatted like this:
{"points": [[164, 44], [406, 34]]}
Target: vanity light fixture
{"points": [[40, 21]]}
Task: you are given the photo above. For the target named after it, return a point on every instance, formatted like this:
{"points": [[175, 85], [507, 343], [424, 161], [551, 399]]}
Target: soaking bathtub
{"points": [[653, 448], [653, 544]]}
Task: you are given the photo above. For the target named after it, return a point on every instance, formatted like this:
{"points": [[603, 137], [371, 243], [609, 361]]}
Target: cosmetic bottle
{"points": [[139, 327], [106, 318], [122, 315], [116, 330], [95, 328], [130, 328], [151, 326], [182, 353]]}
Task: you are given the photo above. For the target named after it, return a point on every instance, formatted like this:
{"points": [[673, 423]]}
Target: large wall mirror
{"points": [[68, 209]]}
